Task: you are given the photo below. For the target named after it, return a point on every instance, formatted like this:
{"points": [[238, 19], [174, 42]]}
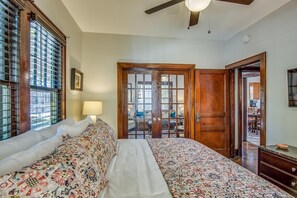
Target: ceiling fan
{"points": [[195, 6]]}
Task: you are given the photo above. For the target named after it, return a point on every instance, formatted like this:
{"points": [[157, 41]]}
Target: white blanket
{"points": [[134, 173]]}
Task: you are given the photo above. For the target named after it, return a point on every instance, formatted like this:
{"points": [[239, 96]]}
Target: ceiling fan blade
{"points": [[244, 2], [163, 6], [194, 18]]}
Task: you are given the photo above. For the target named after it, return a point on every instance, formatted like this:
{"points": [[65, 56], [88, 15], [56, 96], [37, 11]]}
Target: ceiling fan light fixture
{"points": [[197, 5]]}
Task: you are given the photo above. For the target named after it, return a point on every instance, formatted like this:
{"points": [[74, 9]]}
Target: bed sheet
{"points": [[134, 172]]}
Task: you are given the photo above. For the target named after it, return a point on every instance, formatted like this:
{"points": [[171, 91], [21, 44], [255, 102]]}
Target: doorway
{"points": [[155, 100], [248, 79], [251, 104]]}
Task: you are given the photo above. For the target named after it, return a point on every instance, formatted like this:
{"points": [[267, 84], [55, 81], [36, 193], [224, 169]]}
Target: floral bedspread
{"points": [[193, 170], [75, 169]]}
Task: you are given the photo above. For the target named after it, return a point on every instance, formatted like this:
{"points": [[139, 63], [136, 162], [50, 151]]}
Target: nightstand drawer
{"points": [[278, 175], [279, 162]]}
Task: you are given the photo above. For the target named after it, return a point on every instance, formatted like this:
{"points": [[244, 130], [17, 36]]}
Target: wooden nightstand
{"points": [[279, 167]]}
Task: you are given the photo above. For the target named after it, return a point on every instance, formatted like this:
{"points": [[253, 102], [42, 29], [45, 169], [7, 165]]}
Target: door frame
{"points": [[121, 66], [231, 68]]}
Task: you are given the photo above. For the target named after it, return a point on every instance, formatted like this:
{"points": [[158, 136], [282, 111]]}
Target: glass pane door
{"points": [[155, 102], [172, 105], [139, 99]]}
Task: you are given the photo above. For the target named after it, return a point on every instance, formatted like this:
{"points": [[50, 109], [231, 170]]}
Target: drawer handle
{"points": [[293, 170], [293, 184]]}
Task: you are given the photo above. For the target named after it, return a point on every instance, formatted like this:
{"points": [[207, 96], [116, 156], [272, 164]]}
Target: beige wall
{"points": [[277, 35], [101, 52], [57, 12]]}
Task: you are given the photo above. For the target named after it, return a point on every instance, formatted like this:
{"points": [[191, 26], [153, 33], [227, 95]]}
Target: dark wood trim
{"points": [[247, 61], [157, 66], [197, 126], [25, 121], [240, 111], [192, 102], [238, 65], [232, 112], [37, 14], [244, 105], [64, 83], [26, 9], [122, 66], [19, 3], [227, 129], [263, 98], [120, 97]]}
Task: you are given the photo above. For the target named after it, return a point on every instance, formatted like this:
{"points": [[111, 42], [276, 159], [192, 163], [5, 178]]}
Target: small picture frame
{"points": [[76, 80]]}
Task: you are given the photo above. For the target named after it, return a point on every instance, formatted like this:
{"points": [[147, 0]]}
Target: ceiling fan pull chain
{"points": [[209, 31]]}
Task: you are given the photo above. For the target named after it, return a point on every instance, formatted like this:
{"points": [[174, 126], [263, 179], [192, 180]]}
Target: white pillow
{"points": [[75, 130], [25, 158], [19, 143], [88, 120], [50, 131]]}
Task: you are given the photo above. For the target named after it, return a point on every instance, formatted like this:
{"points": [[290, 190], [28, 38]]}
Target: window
{"points": [[45, 77], [32, 86], [9, 69]]}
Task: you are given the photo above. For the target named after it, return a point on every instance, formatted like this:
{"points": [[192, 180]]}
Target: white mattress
{"points": [[134, 172]]}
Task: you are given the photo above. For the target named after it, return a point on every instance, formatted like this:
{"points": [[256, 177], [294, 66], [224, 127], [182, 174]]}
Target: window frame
{"points": [[46, 58], [10, 71], [28, 12]]}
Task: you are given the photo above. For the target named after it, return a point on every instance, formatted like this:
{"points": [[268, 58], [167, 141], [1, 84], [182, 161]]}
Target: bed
{"points": [[96, 164], [180, 168]]}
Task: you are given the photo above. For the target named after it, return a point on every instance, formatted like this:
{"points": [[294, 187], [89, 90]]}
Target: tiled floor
{"points": [[249, 158]]}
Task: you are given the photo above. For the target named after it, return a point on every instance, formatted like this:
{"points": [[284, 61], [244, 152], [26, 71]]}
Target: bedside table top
{"points": [[291, 153]]}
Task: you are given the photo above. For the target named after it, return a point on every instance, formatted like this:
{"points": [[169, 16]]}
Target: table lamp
{"points": [[92, 108]]}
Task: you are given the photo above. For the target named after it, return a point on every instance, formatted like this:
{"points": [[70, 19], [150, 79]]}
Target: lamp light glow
{"points": [[92, 108]]}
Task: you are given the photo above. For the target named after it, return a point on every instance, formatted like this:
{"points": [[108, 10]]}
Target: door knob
{"points": [[197, 117], [293, 184], [293, 170]]}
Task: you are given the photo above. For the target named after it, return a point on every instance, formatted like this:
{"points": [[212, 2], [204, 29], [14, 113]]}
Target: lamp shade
{"points": [[197, 5], [92, 108]]}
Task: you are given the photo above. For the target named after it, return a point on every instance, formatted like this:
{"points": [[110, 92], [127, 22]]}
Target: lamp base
{"points": [[94, 118]]}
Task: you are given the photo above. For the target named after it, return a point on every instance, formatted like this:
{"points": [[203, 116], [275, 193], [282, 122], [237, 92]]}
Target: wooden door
{"points": [[173, 105], [156, 103], [212, 110], [139, 97]]}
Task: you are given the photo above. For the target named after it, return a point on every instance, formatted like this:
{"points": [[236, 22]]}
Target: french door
{"points": [[155, 103]]}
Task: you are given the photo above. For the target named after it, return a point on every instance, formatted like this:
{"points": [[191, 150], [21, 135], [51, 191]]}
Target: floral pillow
{"points": [[108, 133], [75, 169]]}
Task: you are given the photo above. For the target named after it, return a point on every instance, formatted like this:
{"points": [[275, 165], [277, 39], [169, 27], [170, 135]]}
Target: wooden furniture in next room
{"points": [[254, 89], [254, 120], [279, 167]]}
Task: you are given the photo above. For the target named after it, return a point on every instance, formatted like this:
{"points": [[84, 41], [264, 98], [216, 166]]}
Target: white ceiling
{"points": [[128, 17]]}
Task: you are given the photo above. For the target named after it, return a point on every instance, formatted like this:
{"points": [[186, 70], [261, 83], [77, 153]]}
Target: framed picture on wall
{"points": [[76, 80], [292, 86]]}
